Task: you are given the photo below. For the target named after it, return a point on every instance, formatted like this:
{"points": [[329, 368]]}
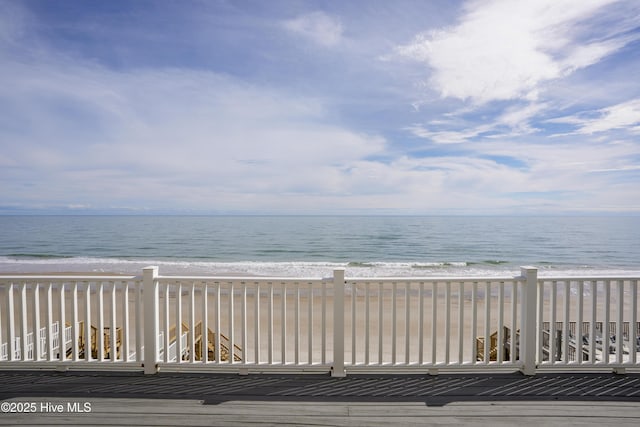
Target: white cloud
{"points": [[319, 27], [571, 169], [517, 117], [194, 139], [620, 116], [514, 121], [449, 136], [504, 50]]}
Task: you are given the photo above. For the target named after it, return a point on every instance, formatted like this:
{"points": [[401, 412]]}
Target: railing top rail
{"points": [[248, 279], [55, 278], [429, 279], [586, 278]]}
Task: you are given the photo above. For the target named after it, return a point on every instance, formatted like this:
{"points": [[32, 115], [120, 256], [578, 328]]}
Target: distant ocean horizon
{"points": [[312, 246]]}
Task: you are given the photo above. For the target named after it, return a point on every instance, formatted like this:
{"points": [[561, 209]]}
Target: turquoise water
{"points": [[314, 245]]}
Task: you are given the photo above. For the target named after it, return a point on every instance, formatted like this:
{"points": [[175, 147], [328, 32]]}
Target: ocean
{"points": [[312, 246]]}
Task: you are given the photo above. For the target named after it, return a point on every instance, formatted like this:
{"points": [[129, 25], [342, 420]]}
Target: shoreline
{"points": [[295, 269]]}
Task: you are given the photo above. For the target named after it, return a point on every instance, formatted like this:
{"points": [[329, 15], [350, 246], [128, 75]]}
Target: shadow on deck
{"points": [[219, 388]]}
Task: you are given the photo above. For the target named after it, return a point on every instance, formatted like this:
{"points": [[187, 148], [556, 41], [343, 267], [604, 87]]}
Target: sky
{"points": [[320, 107]]}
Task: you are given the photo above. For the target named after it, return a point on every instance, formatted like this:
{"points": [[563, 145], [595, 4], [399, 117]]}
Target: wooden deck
{"points": [[371, 400]]}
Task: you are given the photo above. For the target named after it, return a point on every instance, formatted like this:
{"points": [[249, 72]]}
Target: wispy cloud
{"points": [[514, 121], [449, 136], [625, 115], [318, 27]]}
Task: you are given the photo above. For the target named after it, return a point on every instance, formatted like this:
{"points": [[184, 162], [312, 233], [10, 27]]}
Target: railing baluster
{"points": [[74, 327], [310, 323], [337, 370], [619, 319], [447, 325], [367, 326], [270, 324], [37, 350], [513, 349], [100, 330], [407, 320], [62, 349], [565, 332], [283, 330], [500, 339], [539, 316], [434, 321], [353, 324], [218, 320], [421, 325], [256, 321], [204, 343], [243, 308], [592, 325], [11, 331], [167, 325], [88, 342], [139, 326], [178, 321], [552, 323], [394, 322], [283, 322], [474, 322], [113, 345], [49, 323], [296, 358], [579, 348], [192, 323], [380, 322], [487, 323], [324, 323], [461, 323], [125, 320], [23, 316], [606, 327], [633, 329], [232, 328]]}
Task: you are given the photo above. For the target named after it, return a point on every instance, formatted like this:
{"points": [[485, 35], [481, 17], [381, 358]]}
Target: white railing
{"points": [[84, 305], [241, 323], [313, 324], [432, 323], [589, 322]]}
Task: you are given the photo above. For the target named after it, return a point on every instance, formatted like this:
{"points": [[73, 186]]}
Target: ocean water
{"points": [[312, 246]]}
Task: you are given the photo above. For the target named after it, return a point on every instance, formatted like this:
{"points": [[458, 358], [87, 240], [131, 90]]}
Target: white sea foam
{"points": [[292, 268]]}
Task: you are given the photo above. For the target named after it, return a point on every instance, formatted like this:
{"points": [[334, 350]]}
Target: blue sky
{"points": [[300, 107]]}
